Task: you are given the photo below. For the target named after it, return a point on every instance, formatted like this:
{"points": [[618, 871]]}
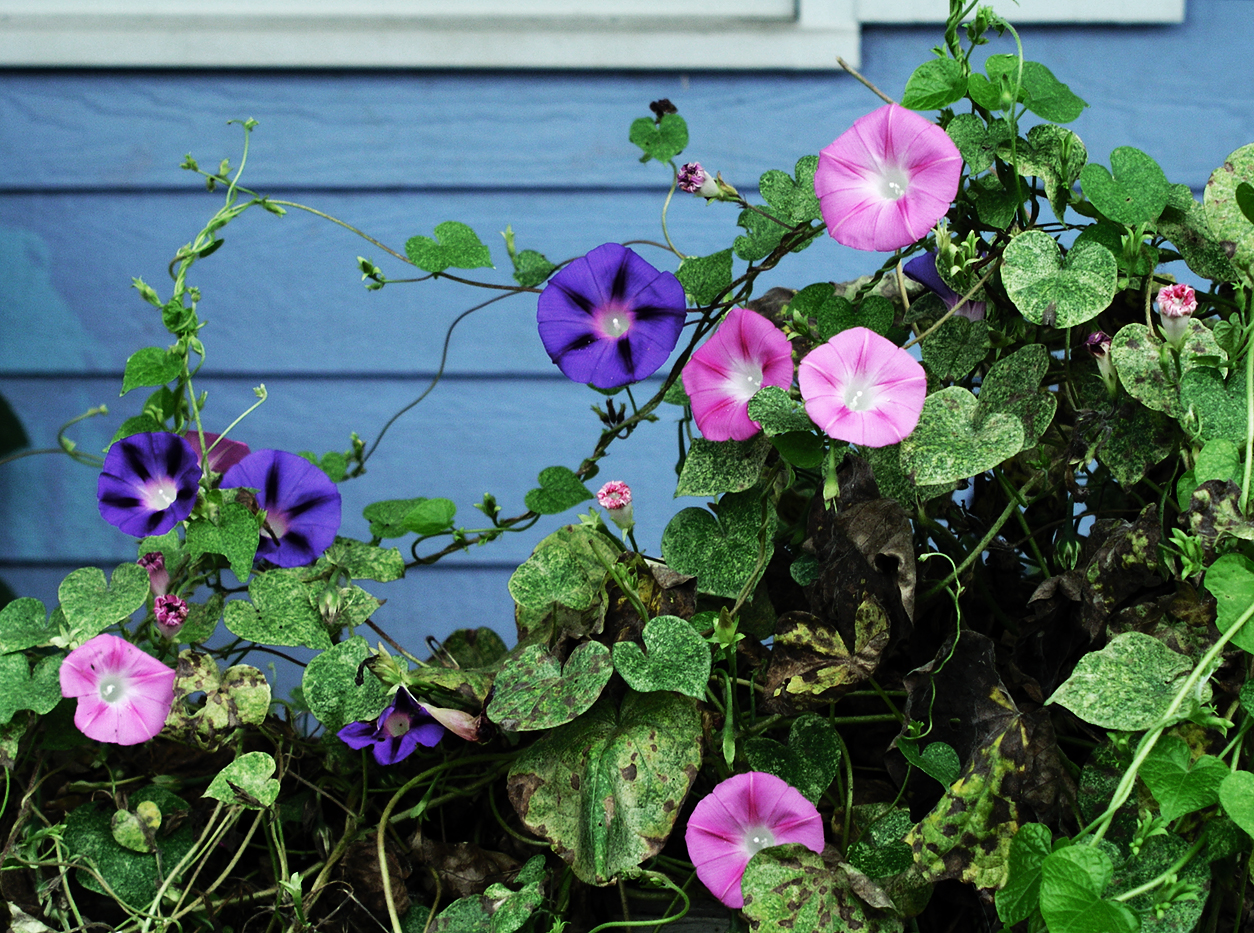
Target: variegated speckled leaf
{"points": [[1228, 223], [947, 445], [605, 789], [534, 691], [1053, 291]]}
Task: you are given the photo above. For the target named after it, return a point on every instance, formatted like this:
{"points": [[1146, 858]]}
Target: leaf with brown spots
{"points": [[811, 664], [605, 789], [789, 888]]}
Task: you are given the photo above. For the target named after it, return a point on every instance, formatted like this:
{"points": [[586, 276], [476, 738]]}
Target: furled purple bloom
{"points": [[610, 318], [171, 613], [158, 576], [1176, 304], [1098, 344], [223, 453], [887, 179], [741, 816], [862, 388], [923, 269], [302, 505], [691, 177], [400, 729], [746, 353], [124, 695], [148, 484]]}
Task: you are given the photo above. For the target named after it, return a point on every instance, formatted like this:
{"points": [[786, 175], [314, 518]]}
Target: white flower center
{"points": [[758, 838], [860, 397], [744, 380], [614, 322], [893, 183], [396, 724], [160, 494], [112, 688]]}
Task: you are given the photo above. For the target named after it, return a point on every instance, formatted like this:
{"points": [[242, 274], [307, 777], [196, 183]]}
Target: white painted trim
{"points": [[606, 34]]}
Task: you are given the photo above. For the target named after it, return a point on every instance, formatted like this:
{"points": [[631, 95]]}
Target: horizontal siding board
{"points": [[465, 439], [474, 129], [284, 295]]}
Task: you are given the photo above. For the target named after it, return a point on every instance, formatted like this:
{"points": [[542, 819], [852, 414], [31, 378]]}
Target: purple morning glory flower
{"points": [[610, 318], [148, 484], [923, 269], [302, 505], [400, 729]]}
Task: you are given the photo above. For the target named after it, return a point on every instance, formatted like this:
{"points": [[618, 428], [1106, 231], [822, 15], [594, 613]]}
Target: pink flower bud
{"points": [[616, 496], [1176, 304], [171, 613], [696, 180], [158, 576]]}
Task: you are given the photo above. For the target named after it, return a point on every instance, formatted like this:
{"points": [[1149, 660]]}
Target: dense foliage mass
{"points": [[960, 639]]}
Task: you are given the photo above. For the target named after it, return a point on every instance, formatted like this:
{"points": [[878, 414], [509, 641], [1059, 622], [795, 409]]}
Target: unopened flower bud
{"points": [[158, 576], [171, 613], [1098, 344], [615, 496], [696, 180], [1176, 304]]}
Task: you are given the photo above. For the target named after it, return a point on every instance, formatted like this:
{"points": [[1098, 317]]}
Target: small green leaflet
{"points": [[1028, 850], [937, 759], [1178, 784], [1137, 191], [1072, 882], [1245, 200], [678, 658], [935, 84], [151, 366], [560, 489], [1230, 580], [246, 782], [705, 278], [662, 140], [455, 246], [430, 516]]}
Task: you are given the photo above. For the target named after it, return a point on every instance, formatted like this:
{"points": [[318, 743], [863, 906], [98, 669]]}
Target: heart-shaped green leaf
{"points": [[24, 688], [1212, 409], [234, 533], [535, 691], [24, 623], [678, 658], [808, 762], [151, 366], [1135, 194], [606, 789], [834, 313], [1185, 224], [937, 759], [1055, 292], [1230, 580], [977, 141], [531, 268], [1228, 222], [774, 409], [1179, 784], [705, 278], [761, 236], [1148, 369], [935, 84], [955, 348], [662, 140], [560, 489], [1236, 793], [246, 782], [1041, 92], [714, 467], [793, 202], [1128, 685], [387, 518], [566, 568], [1021, 895], [455, 245], [1072, 882], [947, 445], [337, 689], [727, 553], [281, 612], [1053, 154], [430, 516], [91, 605]]}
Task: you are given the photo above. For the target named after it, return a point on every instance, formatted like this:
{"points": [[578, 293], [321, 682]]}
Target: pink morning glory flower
{"points": [[302, 505], [609, 318], [124, 695], [400, 729], [223, 453], [1176, 304], [148, 484], [862, 388], [746, 353], [741, 816], [886, 180]]}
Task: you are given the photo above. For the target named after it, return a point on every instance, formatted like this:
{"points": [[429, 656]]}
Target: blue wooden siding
{"points": [[90, 195]]}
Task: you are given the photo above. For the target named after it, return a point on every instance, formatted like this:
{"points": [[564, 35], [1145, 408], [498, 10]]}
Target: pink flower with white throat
{"points": [[124, 695], [615, 497], [740, 817], [862, 388], [887, 180], [1176, 304], [746, 353]]}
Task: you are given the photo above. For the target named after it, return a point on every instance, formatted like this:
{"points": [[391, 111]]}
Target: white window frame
{"points": [[553, 34]]}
